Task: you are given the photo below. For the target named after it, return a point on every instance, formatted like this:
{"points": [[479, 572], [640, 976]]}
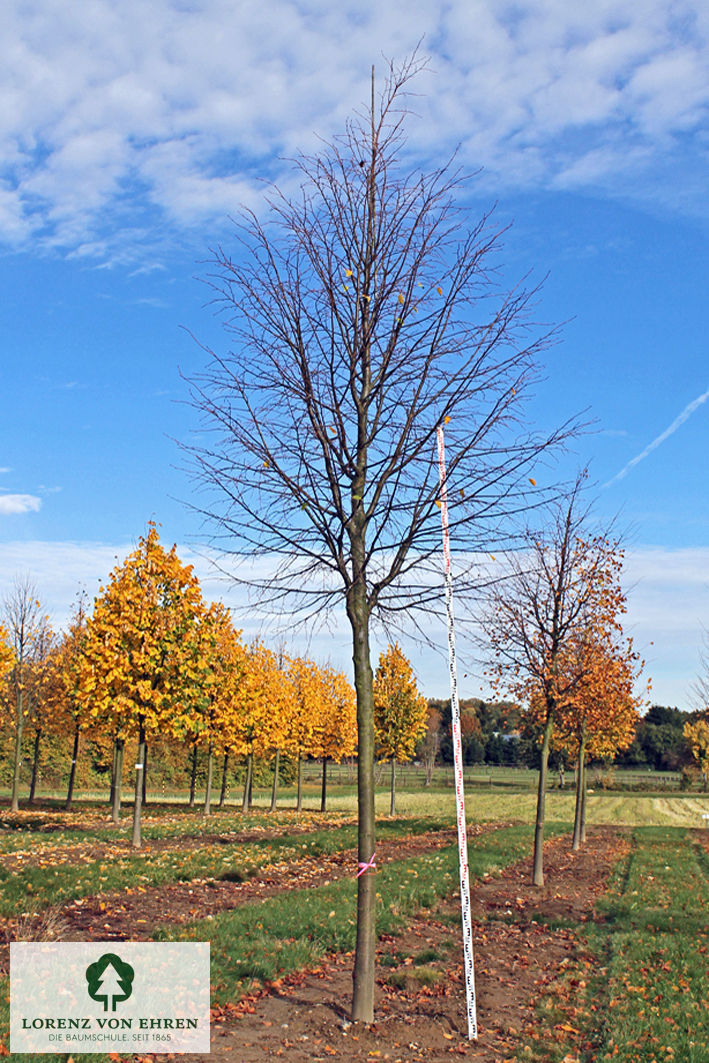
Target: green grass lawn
{"points": [[656, 946], [645, 1002], [34, 888], [267, 939], [643, 999]]}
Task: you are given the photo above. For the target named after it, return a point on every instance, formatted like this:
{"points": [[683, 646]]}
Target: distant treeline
{"points": [[493, 733]]}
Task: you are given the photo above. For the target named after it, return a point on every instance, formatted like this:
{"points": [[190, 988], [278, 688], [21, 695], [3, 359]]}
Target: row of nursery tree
{"points": [[154, 662]]}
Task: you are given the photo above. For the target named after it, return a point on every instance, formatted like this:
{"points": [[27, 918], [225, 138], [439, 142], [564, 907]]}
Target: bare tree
{"points": [[561, 587], [365, 313], [25, 623], [699, 690], [38, 692]]}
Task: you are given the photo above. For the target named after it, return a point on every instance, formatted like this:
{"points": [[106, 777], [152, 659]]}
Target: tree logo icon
{"points": [[110, 980]]}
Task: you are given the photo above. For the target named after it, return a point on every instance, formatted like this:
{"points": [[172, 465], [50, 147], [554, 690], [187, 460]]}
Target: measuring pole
{"points": [[468, 960]]}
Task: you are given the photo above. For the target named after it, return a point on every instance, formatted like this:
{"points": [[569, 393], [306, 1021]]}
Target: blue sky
{"points": [[131, 131]]}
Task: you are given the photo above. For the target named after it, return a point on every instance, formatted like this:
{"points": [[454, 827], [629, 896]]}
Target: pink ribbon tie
{"points": [[365, 867]]}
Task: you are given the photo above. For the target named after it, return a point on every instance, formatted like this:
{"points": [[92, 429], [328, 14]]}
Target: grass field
{"points": [[645, 998], [645, 1003]]}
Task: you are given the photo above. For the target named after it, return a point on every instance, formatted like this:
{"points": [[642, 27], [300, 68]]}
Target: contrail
{"points": [[678, 421]]}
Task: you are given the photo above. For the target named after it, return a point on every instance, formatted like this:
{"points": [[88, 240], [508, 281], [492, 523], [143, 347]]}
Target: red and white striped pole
{"points": [[468, 960]]}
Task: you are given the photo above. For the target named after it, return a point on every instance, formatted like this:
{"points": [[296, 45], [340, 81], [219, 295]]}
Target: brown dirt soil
{"points": [[420, 1000], [132, 914], [420, 1007]]}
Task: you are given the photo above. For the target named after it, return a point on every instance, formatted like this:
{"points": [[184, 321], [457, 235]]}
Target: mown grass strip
{"points": [[37, 887], [638, 991], [263, 941], [657, 948]]}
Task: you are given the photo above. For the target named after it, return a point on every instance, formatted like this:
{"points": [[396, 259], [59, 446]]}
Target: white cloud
{"points": [[677, 423], [13, 504], [110, 108]]}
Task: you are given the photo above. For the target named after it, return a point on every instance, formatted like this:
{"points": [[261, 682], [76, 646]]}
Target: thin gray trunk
{"points": [[20, 709], [145, 775], [35, 764], [392, 801], [247, 782], [274, 788], [580, 789], [138, 801], [584, 791], [72, 772], [299, 799], [113, 776], [208, 790], [363, 989], [222, 792], [117, 779], [538, 875], [323, 789], [193, 776]]}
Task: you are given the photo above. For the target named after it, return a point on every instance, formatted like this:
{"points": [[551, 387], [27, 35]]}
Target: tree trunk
{"points": [[299, 800], [113, 775], [15, 803], [137, 804], [538, 875], [323, 790], [222, 792], [35, 764], [193, 775], [72, 772], [117, 780], [274, 790], [208, 789], [580, 789], [247, 781], [145, 775], [363, 988], [392, 801], [584, 791]]}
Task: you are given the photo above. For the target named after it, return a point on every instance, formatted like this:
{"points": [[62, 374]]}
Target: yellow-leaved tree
{"points": [[696, 735], [140, 660], [306, 711], [211, 718], [259, 721], [399, 711], [336, 732], [66, 713]]}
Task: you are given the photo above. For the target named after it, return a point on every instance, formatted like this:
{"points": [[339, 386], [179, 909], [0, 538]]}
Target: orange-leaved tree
{"points": [[400, 711], [564, 584], [599, 716], [140, 663]]}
